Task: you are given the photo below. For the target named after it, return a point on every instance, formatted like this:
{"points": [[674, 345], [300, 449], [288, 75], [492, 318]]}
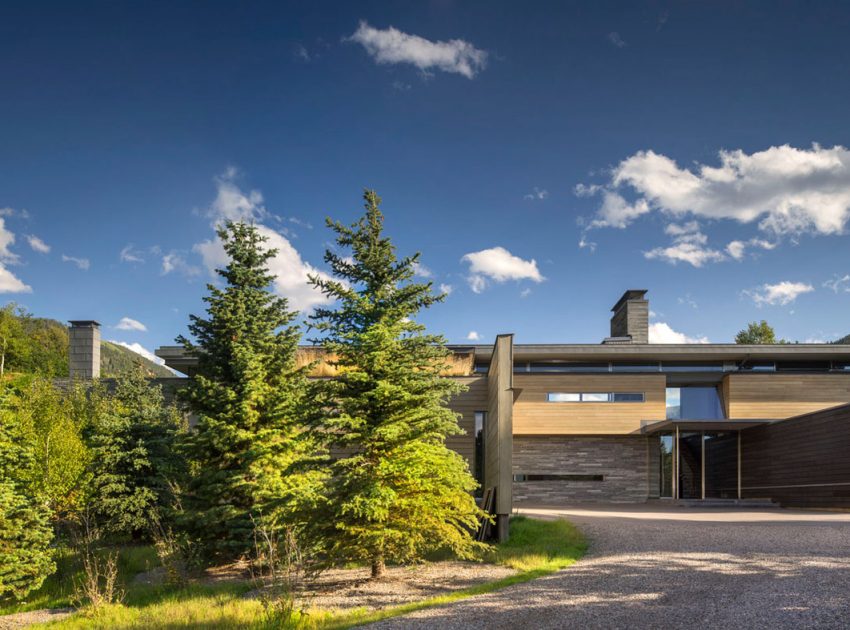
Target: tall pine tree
{"points": [[398, 492], [249, 453]]}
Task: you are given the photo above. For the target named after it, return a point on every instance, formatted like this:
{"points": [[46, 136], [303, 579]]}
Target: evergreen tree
{"points": [[398, 491], [133, 456], [249, 452], [25, 534]]}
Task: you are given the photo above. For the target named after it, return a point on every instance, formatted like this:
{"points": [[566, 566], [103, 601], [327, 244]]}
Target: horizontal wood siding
{"points": [[799, 462], [533, 415], [467, 403], [784, 395]]}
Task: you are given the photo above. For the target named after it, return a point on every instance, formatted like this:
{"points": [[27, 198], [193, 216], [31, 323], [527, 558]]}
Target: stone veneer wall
{"points": [[623, 462]]}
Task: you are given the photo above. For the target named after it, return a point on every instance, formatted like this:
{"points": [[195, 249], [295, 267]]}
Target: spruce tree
{"points": [[397, 492], [249, 453], [134, 461], [25, 532]]}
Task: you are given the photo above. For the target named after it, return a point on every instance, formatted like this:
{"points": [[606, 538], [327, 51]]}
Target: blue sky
{"points": [[543, 158]]}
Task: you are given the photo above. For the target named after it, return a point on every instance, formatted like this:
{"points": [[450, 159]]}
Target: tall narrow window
{"points": [[480, 424]]}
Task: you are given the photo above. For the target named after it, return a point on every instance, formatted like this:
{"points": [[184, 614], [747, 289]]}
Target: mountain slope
{"points": [[40, 345]]}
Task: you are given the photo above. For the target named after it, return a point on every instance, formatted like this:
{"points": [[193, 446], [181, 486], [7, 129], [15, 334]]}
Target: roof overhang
{"points": [[702, 425]]}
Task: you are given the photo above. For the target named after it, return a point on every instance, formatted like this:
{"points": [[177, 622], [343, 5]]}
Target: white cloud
{"points": [[446, 288], [10, 284], [175, 262], [128, 323], [787, 190], [525, 293], [422, 271], [499, 265], [391, 46], [287, 266], [781, 293], [82, 263], [736, 249], [616, 40], [473, 336], [838, 283], [584, 243], [130, 254], [689, 245], [38, 245], [661, 332], [538, 194], [616, 212], [232, 204], [7, 239]]}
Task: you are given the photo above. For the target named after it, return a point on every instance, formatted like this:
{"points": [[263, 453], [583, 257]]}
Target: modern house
{"points": [[626, 420]]}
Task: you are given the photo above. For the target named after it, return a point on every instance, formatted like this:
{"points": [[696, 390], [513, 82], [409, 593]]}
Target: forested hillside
{"points": [[844, 339], [38, 345]]}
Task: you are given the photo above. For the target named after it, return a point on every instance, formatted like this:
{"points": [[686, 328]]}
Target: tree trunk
{"points": [[378, 567]]}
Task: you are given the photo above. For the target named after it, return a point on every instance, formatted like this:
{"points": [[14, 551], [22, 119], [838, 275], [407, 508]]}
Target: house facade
{"points": [[625, 420]]}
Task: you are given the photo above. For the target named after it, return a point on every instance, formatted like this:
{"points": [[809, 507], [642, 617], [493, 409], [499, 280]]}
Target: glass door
{"points": [[690, 465], [721, 464]]}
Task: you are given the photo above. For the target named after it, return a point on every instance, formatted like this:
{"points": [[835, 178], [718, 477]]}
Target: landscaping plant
{"points": [[396, 491], [249, 452]]}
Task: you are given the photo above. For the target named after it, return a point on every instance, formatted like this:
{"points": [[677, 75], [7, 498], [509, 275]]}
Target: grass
{"points": [[535, 549], [58, 589]]}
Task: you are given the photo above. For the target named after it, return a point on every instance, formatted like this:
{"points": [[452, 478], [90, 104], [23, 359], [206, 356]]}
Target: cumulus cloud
{"points": [[781, 293], [787, 190], [127, 323], [446, 288], [11, 284], [392, 46], [7, 239], [422, 271], [473, 336], [38, 245], [174, 262], [838, 283], [498, 265], [290, 270], [82, 263], [661, 332], [689, 245]]}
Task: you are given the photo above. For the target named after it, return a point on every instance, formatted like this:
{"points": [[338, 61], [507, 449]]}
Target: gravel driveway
{"points": [[666, 567]]}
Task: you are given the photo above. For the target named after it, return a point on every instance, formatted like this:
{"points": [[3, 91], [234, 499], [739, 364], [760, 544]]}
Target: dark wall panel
{"points": [[799, 462]]}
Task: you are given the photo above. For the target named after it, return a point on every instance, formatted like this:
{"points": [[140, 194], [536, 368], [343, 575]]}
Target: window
{"points": [[568, 477], [630, 366], [586, 397], [561, 366], [595, 397], [560, 397], [480, 423], [694, 403], [627, 397]]}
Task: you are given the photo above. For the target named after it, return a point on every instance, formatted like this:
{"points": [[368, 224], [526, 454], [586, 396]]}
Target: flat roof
{"points": [[665, 351], [702, 425]]}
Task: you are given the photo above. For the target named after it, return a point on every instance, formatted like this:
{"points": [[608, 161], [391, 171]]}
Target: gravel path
{"points": [[655, 567]]}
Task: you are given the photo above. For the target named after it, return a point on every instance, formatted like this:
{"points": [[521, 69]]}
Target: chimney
{"points": [[630, 323], [84, 349]]}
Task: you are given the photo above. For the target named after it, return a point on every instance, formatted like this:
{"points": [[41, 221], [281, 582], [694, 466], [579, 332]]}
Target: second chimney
{"points": [[84, 349], [630, 322]]}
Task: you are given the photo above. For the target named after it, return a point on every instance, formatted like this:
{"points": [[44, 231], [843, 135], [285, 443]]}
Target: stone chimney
{"points": [[630, 323], [84, 349]]}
